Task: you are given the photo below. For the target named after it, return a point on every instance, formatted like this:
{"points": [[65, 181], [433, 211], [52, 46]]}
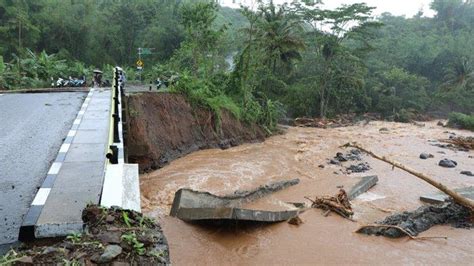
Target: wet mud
{"points": [[299, 153], [164, 126], [423, 219]]}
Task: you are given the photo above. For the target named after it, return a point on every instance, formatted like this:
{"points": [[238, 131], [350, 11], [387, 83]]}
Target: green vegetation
{"points": [[131, 239], [461, 120], [294, 60]]}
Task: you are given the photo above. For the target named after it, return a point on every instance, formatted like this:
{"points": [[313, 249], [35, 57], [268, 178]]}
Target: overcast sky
{"points": [[396, 7]]}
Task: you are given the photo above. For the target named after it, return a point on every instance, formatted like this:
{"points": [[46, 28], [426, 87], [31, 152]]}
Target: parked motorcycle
{"points": [[71, 82]]}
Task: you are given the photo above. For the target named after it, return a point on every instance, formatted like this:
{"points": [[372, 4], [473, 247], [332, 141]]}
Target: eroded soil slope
{"points": [[164, 126]]}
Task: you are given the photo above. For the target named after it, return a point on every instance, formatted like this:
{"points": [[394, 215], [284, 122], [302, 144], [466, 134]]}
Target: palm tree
{"points": [[277, 36], [459, 75]]}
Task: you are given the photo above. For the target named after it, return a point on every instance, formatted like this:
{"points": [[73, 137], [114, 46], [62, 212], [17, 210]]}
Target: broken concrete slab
{"points": [[190, 205], [363, 186], [440, 197]]}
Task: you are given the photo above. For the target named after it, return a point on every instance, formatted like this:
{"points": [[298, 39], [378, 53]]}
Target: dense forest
{"points": [[291, 60]]}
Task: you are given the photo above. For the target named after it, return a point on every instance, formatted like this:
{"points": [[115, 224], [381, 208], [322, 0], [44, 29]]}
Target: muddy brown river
{"points": [[319, 240]]}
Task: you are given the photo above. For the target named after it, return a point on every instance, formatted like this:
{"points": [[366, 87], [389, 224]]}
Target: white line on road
{"points": [[54, 170], [41, 196], [71, 133], [64, 147]]}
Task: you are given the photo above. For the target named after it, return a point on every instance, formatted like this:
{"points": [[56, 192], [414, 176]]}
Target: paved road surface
{"points": [[32, 129]]}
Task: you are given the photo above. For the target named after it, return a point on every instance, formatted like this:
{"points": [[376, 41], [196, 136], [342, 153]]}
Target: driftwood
{"points": [[463, 142], [339, 204], [456, 196]]}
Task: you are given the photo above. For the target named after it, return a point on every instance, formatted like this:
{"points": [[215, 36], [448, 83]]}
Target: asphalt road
{"points": [[32, 129]]}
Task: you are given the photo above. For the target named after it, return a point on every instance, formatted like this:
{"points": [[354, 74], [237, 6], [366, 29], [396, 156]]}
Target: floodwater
{"points": [[319, 240]]}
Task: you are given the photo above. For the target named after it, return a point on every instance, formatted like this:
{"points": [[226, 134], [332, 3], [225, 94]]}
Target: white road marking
{"points": [[54, 170], [64, 147], [71, 133], [77, 121], [41, 196]]}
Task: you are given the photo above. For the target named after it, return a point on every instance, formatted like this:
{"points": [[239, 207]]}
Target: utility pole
{"points": [[140, 64], [140, 68], [19, 46]]}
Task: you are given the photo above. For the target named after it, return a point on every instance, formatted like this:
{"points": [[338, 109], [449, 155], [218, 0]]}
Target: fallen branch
{"points": [[463, 142], [339, 204], [456, 196], [398, 228]]}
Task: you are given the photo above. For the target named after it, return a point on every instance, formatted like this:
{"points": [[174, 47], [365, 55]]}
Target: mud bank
{"points": [[164, 126]]}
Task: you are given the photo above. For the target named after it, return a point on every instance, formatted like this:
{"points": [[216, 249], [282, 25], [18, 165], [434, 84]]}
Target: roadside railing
{"points": [[116, 147], [121, 181]]}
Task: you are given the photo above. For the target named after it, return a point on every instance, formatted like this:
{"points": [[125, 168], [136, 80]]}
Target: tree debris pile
{"points": [[339, 204], [342, 120], [461, 142], [111, 236], [422, 219]]}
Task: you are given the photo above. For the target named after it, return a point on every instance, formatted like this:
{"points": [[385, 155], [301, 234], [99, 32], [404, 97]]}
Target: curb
{"points": [[27, 229]]}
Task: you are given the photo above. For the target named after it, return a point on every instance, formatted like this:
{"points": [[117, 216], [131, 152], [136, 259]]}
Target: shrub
{"points": [[460, 120]]}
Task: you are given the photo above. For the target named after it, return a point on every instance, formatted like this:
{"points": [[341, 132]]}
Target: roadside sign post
{"points": [[140, 64]]}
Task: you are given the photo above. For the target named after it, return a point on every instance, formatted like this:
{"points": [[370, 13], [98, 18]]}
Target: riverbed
{"points": [[301, 153]]}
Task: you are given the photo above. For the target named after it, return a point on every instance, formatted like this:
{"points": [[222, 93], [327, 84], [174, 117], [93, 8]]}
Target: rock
{"points": [[425, 156], [295, 221], [447, 163], [383, 129], [468, 173], [110, 253], [332, 161], [26, 260], [68, 245], [224, 144], [110, 219], [441, 124], [321, 166], [358, 168], [109, 237], [49, 250], [340, 157], [120, 263], [147, 238]]}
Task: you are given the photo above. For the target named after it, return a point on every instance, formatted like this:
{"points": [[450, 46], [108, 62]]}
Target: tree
{"points": [[459, 75], [199, 53], [278, 36], [338, 35]]}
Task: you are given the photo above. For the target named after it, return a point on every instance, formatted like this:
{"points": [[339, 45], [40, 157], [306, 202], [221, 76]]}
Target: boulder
{"points": [[447, 163]]}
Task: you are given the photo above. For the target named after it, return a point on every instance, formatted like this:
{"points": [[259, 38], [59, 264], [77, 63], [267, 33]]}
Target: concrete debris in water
{"points": [[363, 186], [421, 220], [440, 197], [190, 205]]}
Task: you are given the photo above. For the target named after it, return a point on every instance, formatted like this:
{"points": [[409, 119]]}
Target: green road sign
{"points": [[146, 51]]}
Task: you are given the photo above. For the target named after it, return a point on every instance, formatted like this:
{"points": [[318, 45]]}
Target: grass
{"points": [[460, 120]]}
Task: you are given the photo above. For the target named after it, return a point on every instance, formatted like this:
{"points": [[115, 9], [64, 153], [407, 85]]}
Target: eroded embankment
{"points": [[164, 126], [306, 154]]}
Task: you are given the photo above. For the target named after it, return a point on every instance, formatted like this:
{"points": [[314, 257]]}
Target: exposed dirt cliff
{"points": [[164, 126]]}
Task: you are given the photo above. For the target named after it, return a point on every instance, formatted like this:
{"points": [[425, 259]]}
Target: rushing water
{"points": [[319, 240]]}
